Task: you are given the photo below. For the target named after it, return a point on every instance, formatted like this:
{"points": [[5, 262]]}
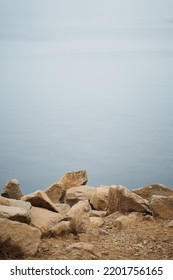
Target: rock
{"points": [[61, 229], [81, 246], [15, 214], [124, 221], [12, 189], [62, 208], [40, 199], [73, 195], [21, 204], [4, 201], [125, 201], [99, 199], [153, 189], [96, 221], [79, 217], [57, 190], [44, 219], [23, 236], [170, 225], [161, 206], [97, 213]]}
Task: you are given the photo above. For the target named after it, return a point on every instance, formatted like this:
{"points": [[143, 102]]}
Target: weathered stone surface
{"points": [[12, 189], [81, 246], [99, 199], [97, 213], [96, 221], [21, 204], [25, 237], [123, 200], [79, 216], [73, 195], [153, 189], [44, 219], [61, 229], [124, 221], [170, 224], [161, 206], [62, 208], [56, 192], [4, 201], [15, 214], [40, 199]]}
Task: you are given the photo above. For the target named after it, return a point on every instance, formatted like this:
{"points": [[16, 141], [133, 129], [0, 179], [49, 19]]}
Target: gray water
{"points": [[89, 98]]}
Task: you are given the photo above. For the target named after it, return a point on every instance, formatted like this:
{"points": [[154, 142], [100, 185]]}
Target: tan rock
{"points": [[125, 201], [125, 221], [62, 208], [96, 221], [99, 199], [61, 229], [161, 206], [170, 224], [23, 236], [15, 214], [80, 246], [56, 191], [4, 201], [97, 213], [153, 189], [40, 199], [73, 195], [12, 189], [44, 219], [21, 204]]}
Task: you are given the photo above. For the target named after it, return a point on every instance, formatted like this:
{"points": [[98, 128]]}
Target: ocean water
{"points": [[92, 98]]}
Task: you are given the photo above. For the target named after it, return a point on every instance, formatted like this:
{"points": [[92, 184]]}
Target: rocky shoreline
{"points": [[71, 220]]}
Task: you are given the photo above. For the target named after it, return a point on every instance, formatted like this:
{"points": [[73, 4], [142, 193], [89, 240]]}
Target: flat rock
{"points": [[75, 194], [96, 221], [161, 206], [21, 204], [12, 189], [40, 199], [125, 201], [80, 246], [22, 236], [153, 189], [44, 219], [125, 221], [62, 208], [15, 214], [56, 191], [99, 198], [61, 229]]}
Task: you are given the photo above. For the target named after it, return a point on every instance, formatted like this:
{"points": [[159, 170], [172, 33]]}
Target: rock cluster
{"points": [[69, 206]]}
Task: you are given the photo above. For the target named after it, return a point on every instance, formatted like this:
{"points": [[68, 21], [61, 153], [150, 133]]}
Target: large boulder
{"points": [[56, 191], [153, 189], [79, 215], [15, 214], [125, 201], [44, 219], [40, 199], [18, 235], [161, 206], [12, 189], [73, 195], [21, 204], [99, 198], [4, 201]]}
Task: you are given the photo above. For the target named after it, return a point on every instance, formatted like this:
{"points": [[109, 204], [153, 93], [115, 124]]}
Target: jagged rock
{"points": [[123, 200], [44, 219], [124, 221], [56, 192], [99, 198], [79, 215], [96, 221], [153, 189], [12, 189], [170, 224], [62, 208], [25, 237], [4, 201], [161, 206], [61, 229], [21, 204], [73, 195], [40, 199], [15, 214]]}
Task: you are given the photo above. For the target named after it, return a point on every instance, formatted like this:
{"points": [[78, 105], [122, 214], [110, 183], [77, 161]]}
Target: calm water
{"points": [[99, 99]]}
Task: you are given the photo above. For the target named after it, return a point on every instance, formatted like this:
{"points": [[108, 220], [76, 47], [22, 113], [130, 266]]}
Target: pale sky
{"points": [[83, 12]]}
